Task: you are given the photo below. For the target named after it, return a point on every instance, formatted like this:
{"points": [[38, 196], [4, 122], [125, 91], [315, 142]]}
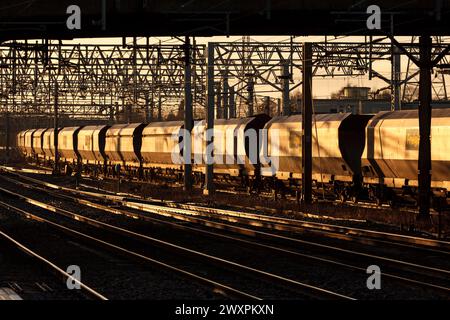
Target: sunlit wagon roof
{"points": [[122, 129], [166, 127]]}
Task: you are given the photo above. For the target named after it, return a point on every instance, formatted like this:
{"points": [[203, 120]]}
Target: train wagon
{"points": [[390, 158], [91, 145], [21, 141], [353, 155], [28, 142], [38, 140], [123, 147], [161, 151], [48, 143], [68, 144], [338, 142], [236, 146], [158, 143]]}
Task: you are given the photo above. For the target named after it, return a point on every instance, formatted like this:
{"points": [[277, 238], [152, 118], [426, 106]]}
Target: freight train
{"points": [[354, 156]]}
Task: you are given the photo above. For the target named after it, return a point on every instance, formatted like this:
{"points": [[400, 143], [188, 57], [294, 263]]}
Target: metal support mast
{"points": [[425, 127], [285, 94], [147, 108], [7, 135], [225, 102], [395, 79], [188, 117], [307, 124], [159, 105], [267, 105], [209, 176], [55, 129], [250, 97], [111, 115], [232, 104], [219, 112]]}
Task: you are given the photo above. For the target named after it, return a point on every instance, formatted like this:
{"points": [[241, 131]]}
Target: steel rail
{"points": [[238, 230], [320, 226], [221, 226], [177, 212], [217, 287], [223, 214], [274, 278], [48, 264]]}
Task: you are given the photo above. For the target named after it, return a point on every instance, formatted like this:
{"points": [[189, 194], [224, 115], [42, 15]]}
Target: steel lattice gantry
{"points": [[93, 79], [241, 67]]}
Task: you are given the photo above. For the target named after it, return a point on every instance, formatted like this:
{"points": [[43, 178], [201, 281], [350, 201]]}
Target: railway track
{"points": [[304, 289], [360, 204], [216, 287], [50, 266], [122, 275], [292, 199], [195, 217], [438, 232], [253, 219]]}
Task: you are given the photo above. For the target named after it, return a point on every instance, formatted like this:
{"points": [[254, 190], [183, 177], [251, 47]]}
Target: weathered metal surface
{"points": [[21, 141], [235, 141], [392, 148], [68, 143], [335, 150], [48, 143], [28, 141], [38, 140], [91, 143], [159, 141], [123, 143]]}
